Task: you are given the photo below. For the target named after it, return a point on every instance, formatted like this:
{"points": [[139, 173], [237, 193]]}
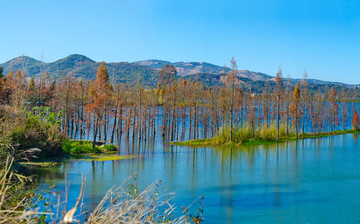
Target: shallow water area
{"points": [[305, 181]]}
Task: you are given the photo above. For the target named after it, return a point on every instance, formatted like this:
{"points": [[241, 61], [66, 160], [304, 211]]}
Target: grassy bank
{"points": [[245, 136]]}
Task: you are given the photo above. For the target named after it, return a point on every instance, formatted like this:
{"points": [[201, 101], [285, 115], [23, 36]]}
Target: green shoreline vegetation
{"points": [[33, 139], [35, 136], [261, 136]]}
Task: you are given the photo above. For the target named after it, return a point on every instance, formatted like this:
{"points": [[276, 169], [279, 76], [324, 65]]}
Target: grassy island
{"points": [[245, 136]]}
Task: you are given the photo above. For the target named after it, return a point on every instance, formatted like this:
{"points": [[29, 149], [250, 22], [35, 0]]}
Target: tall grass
{"points": [[124, 204], [127, 205], [246, 133], [17, 204]]}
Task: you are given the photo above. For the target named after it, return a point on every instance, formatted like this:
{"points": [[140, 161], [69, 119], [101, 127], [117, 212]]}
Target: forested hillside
{"points": [[147, 71]]}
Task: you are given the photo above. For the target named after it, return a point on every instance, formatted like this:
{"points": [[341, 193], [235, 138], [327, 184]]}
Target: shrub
{"points": [[110, 147], [36, 129], [79, 147]]}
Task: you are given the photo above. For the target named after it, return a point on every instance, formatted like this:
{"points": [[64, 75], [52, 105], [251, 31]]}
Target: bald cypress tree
{"points": [[278, 98], [355, 120], [167, 74], [295, 109], [99, 97]]}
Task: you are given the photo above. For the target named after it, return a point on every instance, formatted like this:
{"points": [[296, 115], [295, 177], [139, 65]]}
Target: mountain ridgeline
{"points": [[147, 71], [82, 67]]}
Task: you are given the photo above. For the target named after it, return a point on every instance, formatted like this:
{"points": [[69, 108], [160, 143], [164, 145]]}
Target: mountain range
{"points": [[80, 66]]}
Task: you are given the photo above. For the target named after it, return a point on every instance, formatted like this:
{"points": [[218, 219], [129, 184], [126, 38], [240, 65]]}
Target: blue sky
{"points": [[322, 37]]}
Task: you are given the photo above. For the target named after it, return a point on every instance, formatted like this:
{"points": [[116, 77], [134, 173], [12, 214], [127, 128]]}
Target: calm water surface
{"points": [[307, 181]]}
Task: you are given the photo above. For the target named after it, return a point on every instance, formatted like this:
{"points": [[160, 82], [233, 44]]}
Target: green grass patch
{"points": [[108, 157], [260, 142], [194, 143], [81, 147], [39, 164]]}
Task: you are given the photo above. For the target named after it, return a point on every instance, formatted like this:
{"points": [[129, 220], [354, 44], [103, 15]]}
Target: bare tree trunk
{"points": [[95, 133], [114, 126], [231, 123], [105, 125], [278, 118]]}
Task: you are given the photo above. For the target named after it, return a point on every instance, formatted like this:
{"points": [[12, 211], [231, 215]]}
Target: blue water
{"points": [[306, 181]]}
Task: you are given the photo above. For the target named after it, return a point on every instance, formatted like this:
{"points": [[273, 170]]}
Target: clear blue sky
{"points": [[322, 37]]}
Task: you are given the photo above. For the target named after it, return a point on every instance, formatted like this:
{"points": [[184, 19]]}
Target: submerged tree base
{"points": [[212, 141]]}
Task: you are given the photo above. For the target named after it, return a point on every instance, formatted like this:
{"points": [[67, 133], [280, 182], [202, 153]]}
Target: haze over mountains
{"points": [[80, 66]]}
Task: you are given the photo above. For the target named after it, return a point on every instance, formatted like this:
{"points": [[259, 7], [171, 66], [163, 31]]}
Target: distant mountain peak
{"points": [[22, 59], [78, 57]]}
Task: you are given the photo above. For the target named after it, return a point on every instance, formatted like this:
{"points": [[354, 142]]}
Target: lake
{"points": [[305, 181]]}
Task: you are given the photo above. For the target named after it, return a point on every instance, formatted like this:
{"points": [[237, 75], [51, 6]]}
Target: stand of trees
{"points": [[178, 109]]}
